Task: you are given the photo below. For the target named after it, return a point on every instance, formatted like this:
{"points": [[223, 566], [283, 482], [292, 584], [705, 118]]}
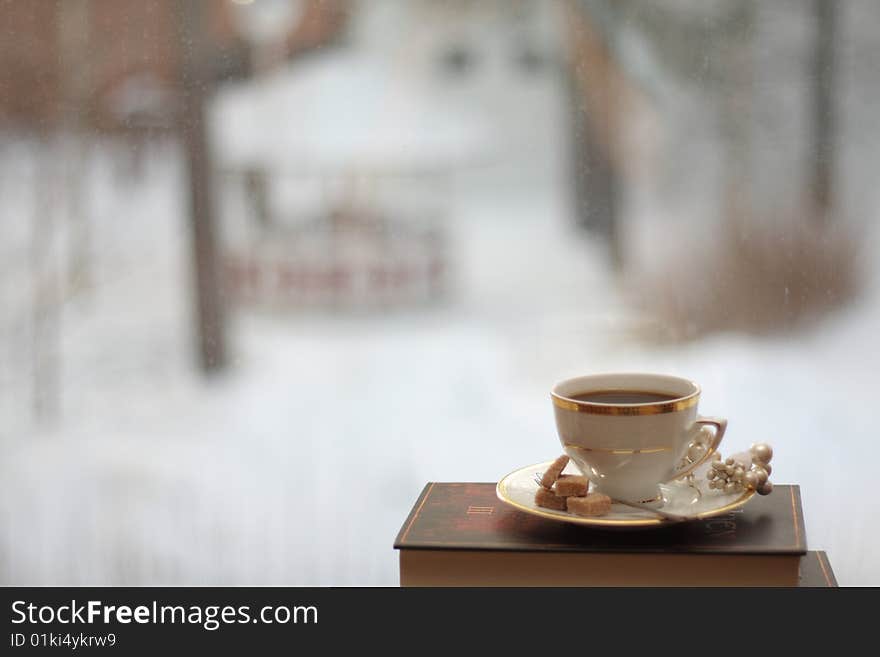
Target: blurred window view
{"points": [[269, 266]]}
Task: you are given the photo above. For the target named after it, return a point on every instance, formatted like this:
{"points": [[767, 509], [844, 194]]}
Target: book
{"points": [[460, 534], [816, 571]]}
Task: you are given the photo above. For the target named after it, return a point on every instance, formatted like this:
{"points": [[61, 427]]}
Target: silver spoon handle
{"points": [[662, 514]]}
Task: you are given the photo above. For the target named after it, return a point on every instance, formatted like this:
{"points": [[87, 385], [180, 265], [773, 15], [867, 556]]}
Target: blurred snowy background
{"points": [[268, 267]]}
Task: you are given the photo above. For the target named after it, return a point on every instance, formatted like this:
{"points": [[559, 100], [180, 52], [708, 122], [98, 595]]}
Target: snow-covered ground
{"points": [[299, 465]]}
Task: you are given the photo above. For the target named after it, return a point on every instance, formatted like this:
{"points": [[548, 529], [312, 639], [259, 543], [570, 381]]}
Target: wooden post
{"points": [[196, 81]]}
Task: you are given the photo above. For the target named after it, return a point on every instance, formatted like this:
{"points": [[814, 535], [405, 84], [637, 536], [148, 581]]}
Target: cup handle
{"points": [[720, 425]]}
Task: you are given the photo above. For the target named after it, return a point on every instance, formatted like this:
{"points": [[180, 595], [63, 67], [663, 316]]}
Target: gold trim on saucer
{"points": [[625, 409], [620, 450], [563, 516]]}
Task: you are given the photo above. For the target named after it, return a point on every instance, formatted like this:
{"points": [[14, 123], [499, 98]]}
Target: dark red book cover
{"points": [[468, 516]]}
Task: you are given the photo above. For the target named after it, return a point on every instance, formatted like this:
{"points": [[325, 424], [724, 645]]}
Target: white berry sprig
{"points": [[758, 475], [732, 476]]}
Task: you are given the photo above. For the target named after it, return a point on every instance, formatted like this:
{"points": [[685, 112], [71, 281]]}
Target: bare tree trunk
{"points": [[196, 80], [256, 187], [822, 77], [596, 105], [595, 183], [45, 315], [736, 119], [74, 29]]}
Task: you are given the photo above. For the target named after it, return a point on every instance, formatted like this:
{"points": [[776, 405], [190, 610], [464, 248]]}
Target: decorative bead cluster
{"points": [[732, 476]]}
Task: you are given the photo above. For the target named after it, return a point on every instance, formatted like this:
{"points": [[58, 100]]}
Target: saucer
{"points": [[695, 502]]}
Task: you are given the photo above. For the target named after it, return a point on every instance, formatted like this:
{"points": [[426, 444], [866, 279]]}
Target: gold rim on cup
{"points": [[650, 408]]}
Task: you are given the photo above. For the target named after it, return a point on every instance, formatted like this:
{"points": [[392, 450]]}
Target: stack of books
{"points": [[460, 534]]}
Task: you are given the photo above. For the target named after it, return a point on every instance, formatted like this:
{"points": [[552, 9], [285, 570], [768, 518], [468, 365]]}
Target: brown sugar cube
{"points": [[552, 473], [594, 504], [568, 485], [549, 500]]}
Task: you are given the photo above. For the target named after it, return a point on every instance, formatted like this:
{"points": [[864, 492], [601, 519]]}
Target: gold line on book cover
{"points": [[794, 517], [417, 511], [824, 570]]}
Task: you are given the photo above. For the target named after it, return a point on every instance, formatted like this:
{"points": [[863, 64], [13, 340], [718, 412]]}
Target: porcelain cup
{"points": [[627, 450]]}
